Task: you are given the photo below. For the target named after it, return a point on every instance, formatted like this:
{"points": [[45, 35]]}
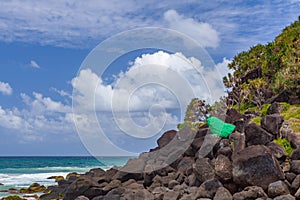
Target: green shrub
{"points": [[265, 108], [285, 144], [256, 120]]}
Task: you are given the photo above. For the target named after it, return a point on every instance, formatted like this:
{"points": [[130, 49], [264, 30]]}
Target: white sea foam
{"points": [[24, 180]]}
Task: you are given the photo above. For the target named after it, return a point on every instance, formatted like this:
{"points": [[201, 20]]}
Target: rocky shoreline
{"points": [[247, 165]]}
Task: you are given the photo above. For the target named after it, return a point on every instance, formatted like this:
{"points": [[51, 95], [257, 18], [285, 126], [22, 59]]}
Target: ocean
{"points": [[21, 172]]}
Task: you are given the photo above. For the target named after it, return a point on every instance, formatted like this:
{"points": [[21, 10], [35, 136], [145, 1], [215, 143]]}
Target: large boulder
{"points": [[293, 138], [295, 154], [83, 185], [233, 115], [277, 150], [203, 169], [278, 188], [138, 194], [255, 165], [253, 74], [209, 188], [275, 108], [222, 194], [223, 167], [185, 164], [295, 166], [283, 96], [251, 192], [255, 135], [133, 169], [166, 138], [272, 123]]}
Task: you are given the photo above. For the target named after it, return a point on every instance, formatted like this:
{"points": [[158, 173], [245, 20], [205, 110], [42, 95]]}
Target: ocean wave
{"points": [[47, 170], [24, 177], [24, 180]]}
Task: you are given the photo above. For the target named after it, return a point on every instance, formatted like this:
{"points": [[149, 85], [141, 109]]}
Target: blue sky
{"points": [[43, 44]]}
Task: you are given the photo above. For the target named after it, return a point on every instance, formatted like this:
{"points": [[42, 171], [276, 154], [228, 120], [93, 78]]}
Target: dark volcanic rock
{"points": [[295, 154], [114, 194], [289, 176], [201, 132], [277, 188], [192, 180], [170, 195], [256, 135], [184, 164], [222, 194], [297, 194], [233, 115], [285, 197], [272, 123], [209, 188], [208, 145], [82, 198], [251, 192], [203, 169], [281, 97], [226, 151], [240, 125], [166, 138], [253, 74], [223, 167], [240, 144], [295, 166], [138, 194], [294, 138], [277, 150], [275, 108], [132, 170], [296, 183], [256, 165], [82, 185]]}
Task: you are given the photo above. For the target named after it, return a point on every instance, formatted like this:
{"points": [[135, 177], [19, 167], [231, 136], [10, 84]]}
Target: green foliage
{"points": [[279, 62], [285, 144], [265, 109], [256, 120], [291, 113]]}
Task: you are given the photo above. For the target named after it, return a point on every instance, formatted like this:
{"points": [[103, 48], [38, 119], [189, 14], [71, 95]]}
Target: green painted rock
{"points": [[219, 128]]}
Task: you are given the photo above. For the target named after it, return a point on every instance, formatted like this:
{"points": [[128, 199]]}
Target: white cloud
{"points": [[141, 97], [222, 67], [41, 116], [202, 32], [127, 85], [5, 88], [34, 64], [65, 23], [61, 92]]}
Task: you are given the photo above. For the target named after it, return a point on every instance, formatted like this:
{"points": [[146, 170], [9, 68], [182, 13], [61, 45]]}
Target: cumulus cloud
{"points": [[34, 64], [202, 32], [41, 115], [149, 95], [88, 85], [5, 88]]}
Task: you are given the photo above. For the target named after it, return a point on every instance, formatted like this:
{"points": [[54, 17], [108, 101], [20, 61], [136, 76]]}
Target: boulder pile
{"points": [[192, 164]]}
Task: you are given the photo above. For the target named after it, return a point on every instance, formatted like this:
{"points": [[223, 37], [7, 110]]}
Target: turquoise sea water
{"points": [[20, 172]]}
